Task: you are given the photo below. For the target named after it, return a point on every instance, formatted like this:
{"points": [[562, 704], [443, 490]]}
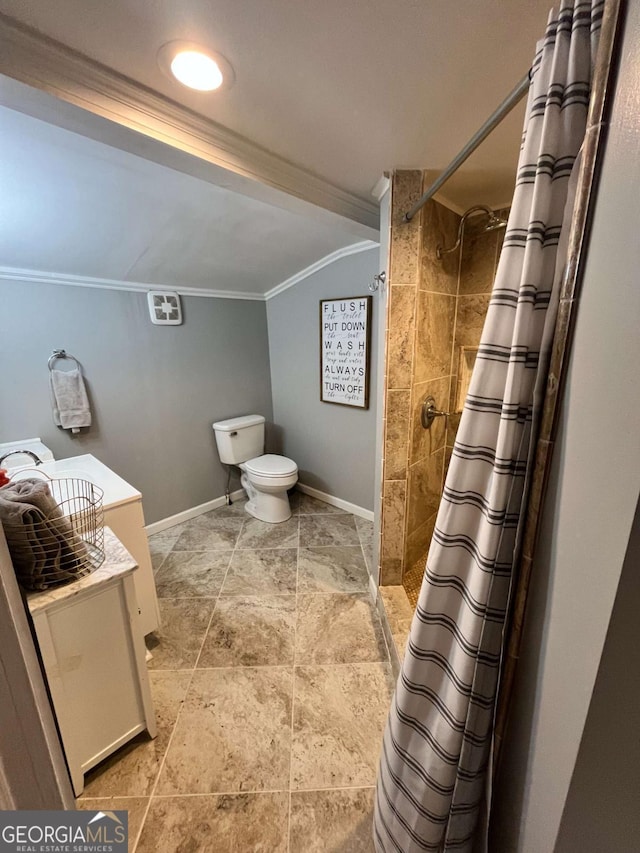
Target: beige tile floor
{"points": [[271, 682]]}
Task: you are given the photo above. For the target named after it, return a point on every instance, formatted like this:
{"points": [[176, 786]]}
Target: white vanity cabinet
{"points": [[123, 513], [127, 522], [93, 655]]}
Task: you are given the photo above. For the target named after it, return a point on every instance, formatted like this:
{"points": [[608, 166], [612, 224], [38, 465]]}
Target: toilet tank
{"points": [[239, 439]]}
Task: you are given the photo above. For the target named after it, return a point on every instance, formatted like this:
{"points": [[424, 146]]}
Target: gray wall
{"points": [[334, 446], [154, 390], [601, 812], [592, 497]]}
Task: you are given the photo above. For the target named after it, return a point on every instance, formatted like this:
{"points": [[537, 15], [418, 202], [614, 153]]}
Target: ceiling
{"points": [[343, 90], [346, 90], [75, 206]]}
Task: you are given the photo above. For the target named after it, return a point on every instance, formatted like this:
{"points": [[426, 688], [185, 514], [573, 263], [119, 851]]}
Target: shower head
{"points": [[495, 223]]}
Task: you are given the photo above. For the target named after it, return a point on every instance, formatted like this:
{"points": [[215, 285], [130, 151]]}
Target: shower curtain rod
{"points": [[493, 121]]}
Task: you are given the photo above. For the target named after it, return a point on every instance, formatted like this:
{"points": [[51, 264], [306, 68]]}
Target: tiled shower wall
{"points": [[478, 265], [403, 277], [420, 333], [435, 306]]}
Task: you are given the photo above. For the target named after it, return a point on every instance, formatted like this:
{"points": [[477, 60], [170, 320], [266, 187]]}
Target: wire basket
{"points": [[54, 529]]}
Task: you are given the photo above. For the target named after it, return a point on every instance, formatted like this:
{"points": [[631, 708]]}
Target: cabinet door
{"points": [[90, 662]]}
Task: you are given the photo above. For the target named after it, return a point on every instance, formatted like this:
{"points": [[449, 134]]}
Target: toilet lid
{"points": [[271, 465]]}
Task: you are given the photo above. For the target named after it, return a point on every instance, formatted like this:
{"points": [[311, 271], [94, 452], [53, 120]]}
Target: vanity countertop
{"points": [[117, 562], [86, 467]]}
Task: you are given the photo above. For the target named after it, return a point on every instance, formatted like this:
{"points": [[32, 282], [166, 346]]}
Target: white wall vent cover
{"points": [[164, 308]]}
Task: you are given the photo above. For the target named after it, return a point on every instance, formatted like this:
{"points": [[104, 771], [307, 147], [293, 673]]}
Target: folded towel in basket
{"points": [[44, 548], [69, 399]]}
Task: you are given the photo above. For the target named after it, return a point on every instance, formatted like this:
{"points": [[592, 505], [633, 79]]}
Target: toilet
{"points": [[265, 477]]}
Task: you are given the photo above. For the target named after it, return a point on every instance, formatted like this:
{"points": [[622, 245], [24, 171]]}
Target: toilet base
{"points": [[272, 507]]}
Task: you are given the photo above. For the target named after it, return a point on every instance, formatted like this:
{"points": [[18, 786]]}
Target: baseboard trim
{"points": [[331, 499], [179, 517]]}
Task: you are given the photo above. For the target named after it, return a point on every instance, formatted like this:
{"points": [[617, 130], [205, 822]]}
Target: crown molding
{"points": [[18, 274], [38, 61], [15, 274], [354, 249], [382, 185]]}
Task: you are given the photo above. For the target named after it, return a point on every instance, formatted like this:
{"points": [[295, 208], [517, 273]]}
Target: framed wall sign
{"points": [[345, 357]]}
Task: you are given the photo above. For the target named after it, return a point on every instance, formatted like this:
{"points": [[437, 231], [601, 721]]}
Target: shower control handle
{"points": [[430, 412]]}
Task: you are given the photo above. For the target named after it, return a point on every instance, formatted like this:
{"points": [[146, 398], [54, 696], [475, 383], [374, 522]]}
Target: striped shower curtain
{"points": [[436, 750]]}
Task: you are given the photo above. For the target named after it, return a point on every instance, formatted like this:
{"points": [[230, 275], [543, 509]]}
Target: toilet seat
{"points": [[270, 465], [266, 480]]}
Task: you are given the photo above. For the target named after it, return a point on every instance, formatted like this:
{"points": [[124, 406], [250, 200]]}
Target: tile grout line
{"points": [[293, 689], [248, 792], [193, 672], [362, 591], [273, 666], [231, 793], [164, 559]]}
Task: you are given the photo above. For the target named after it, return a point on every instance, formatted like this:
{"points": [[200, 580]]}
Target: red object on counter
{"points": [[3, 477]]}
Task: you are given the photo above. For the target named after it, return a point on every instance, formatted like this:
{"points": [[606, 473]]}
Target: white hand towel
{"points": [[69, 400]]}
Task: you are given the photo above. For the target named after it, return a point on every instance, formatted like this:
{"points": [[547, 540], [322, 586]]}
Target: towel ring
{"points": [[60, 353]]}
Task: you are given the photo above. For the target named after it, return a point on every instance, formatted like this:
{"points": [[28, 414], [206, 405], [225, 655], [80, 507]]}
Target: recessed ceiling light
{"points": [[196, 70], [195, 66]]}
